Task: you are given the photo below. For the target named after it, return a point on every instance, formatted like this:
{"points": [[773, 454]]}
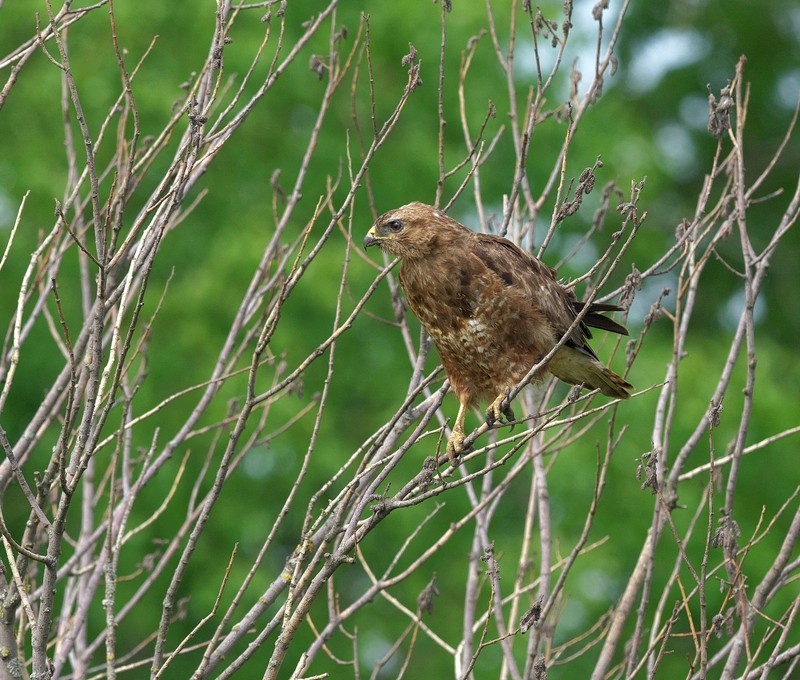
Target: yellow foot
{"points": [[455, 446], [500, 407]]}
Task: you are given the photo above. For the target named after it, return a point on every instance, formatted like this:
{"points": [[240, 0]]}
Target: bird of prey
{"points": [[493, 311]]}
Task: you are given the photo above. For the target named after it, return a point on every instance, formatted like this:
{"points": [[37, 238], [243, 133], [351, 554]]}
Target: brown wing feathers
{"points": [[490, 248]]}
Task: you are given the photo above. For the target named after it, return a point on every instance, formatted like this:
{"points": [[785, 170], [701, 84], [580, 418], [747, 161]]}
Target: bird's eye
{"points": [[394, 226]]}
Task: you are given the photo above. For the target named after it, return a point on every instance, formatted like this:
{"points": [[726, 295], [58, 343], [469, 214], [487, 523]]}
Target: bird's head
{"points": [[413, 231]]}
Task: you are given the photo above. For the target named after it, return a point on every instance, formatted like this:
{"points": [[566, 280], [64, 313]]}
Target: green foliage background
{"points": [[650, 122]]}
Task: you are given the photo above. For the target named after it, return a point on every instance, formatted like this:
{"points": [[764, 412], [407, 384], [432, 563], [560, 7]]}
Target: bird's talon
{"points": [[499, 409], [455, 447]]}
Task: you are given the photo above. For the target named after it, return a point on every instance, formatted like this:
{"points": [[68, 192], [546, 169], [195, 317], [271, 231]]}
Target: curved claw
{"points": [[499, 408], [455, 444]]}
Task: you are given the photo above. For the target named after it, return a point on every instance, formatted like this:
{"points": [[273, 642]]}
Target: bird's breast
{"points": [[488, 334]]}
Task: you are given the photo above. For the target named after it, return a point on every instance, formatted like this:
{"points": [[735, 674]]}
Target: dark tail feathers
{"points": [[595, 318]]}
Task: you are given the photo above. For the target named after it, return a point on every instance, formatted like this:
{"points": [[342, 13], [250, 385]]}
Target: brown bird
{"points": [[492, 309]]}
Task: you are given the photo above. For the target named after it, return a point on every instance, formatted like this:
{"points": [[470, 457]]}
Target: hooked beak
{"points": [[371, 238]]}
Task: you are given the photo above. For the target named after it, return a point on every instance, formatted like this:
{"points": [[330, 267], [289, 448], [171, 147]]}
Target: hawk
{"points": [[493, 311]]}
